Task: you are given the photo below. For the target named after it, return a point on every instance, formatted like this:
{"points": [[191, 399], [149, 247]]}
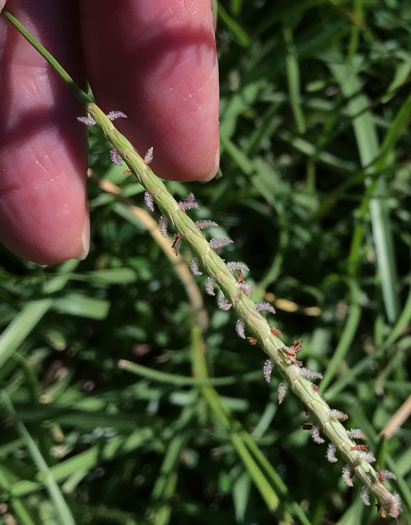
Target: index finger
{"points": [[157, 62]]}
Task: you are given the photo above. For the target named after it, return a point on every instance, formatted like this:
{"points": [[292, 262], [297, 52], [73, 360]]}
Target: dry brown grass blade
{"points": [[179, 265]]}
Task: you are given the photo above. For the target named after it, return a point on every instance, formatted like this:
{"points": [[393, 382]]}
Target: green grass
{"points": [[316, 195]]}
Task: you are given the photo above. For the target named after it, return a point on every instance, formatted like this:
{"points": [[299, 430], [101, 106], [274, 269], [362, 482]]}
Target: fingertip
{"points": [[43, 150], [215, 169], [85, 240]]}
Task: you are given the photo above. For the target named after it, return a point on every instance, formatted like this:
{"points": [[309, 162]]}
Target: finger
{"points": [[43, 149], [156, 61]]}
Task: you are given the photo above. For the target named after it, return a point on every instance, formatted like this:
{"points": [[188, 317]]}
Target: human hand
{"points": [[153, 60]]}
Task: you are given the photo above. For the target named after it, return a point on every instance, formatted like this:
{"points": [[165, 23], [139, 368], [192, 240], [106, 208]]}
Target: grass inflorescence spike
{"points": [[356, 462]]}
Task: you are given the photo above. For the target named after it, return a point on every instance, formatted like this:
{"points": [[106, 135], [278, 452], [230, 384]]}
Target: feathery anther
{"points": [[282, 390], [395, 505], [149, 200], [189, 203], [239, 328], [347, 475], [367, 456], [223, 304], [266, 307], [88, 121], [113, 115], [356, 433], [217, 243], [268, 368], [310, 374], [315, 434], [365, 496], [246, 288], [163, 224], [232, 266], [337, 414], [148, 157], [195, 270], [209, 286], [115, 157], [331, 450], [206, 224], [387, 474]]}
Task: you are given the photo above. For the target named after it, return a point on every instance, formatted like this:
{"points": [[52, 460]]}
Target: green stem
{"points": [[255, 323]]}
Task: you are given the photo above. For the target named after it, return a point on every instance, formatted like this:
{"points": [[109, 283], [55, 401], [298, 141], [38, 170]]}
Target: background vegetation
{"points": [[316, 195]]}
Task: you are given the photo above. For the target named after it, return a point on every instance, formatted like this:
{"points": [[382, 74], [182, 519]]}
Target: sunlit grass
{"points": [[295, 198]]}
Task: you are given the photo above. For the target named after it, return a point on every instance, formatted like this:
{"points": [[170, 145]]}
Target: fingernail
{"points": [[85, 239], [214, 171]]}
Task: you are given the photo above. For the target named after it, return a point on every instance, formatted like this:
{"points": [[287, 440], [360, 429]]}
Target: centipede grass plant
{"points": [[282, 380]]}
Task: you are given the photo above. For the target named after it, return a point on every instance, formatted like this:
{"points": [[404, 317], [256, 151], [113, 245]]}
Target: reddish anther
{"points": [[307, 426], [176, 242], [360, 447], [296, 347], [380, 474], [290, 354], [276, 331]]}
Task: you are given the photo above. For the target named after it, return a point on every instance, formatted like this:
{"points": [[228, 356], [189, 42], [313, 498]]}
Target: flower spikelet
{"points": [[310, 374], [189, 203], [115, 157], [315, 434], [223, 304], [206, 224], [356, 433], [366, 456], [232, 266], [209, 287], [113, 115], [337, 414], [365, 496], [239, 328], [148, 157], [347, 475], [282, 390], [88, 121], [246, 288], [268, 368], [331, 453], [148, 199], [218, 243], [163, 224], [266, 307], [195, 270]]}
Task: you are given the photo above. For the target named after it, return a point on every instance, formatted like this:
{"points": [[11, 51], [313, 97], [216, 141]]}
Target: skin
{"points": [[155, 61]]}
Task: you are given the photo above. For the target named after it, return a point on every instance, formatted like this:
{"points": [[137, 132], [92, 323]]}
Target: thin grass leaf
{"points": [[60, 505], [368, 149]]}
